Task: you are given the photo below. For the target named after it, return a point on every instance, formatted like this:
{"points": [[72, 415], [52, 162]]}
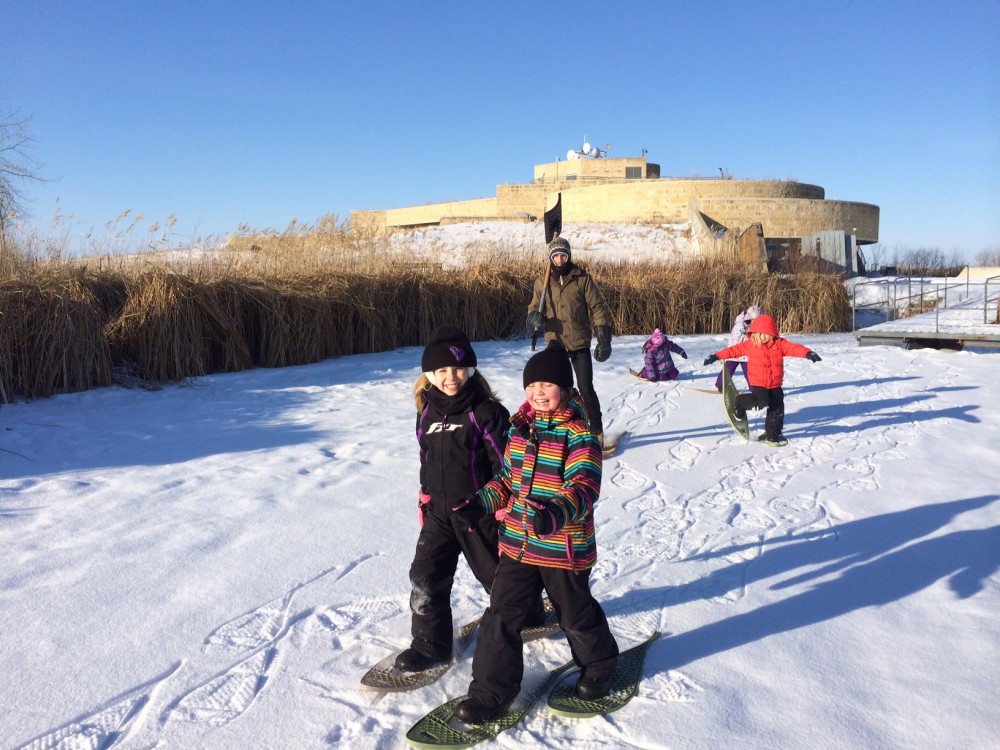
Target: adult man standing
{"points": [[574, 307]]}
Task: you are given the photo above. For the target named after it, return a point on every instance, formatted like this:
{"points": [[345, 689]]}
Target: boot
{"points": [[412, 660], [537, 617], [591, 687], [474, 712]]}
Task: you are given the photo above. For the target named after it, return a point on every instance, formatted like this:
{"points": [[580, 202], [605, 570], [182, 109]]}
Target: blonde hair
{"points": [[422, 385]]}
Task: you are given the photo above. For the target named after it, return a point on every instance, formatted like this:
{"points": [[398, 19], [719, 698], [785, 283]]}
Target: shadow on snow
{"points": [[877, 561]]}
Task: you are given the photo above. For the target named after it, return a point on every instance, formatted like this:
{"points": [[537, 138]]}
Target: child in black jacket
{"points": [[461, 430]]}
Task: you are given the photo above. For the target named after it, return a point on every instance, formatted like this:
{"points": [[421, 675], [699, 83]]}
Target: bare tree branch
{"points": [[16, 167]]}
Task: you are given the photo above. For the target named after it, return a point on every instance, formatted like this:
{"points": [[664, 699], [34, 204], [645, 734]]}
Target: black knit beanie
{"points": [[448, 346], [551, 365], [560, 245]]}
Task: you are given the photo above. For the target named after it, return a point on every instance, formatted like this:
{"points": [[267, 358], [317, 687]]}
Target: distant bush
{"points": [[927, 262], [988, 257]]}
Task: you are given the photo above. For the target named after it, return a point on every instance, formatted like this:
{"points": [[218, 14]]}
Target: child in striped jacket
{"points": [[544, 495]]}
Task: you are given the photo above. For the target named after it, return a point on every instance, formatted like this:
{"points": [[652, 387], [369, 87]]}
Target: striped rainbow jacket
{"points": [[553, 458]]}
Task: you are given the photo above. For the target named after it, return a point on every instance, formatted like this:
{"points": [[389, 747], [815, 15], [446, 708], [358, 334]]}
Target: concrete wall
{"points": [[792, 217], [668, 200], [367, 222], [433, 213], [784, 209], [703, 239], [593, 169], [980, 272], [529, 199]]}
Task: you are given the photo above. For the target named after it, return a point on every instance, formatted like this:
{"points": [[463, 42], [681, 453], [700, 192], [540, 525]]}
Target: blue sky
{"points": [[225, 113]]}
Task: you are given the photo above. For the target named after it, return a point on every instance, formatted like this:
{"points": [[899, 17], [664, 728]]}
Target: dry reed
{"points": [[51, 335], [284, 299]]}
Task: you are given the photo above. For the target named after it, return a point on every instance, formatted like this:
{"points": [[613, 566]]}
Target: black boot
{"points": [[537, 617], [739, 412], [472, 711], [591, 686], [778, 441], [412, 660]]}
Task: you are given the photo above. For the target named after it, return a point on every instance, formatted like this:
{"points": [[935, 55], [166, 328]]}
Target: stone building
{"points": [[766, 220]]}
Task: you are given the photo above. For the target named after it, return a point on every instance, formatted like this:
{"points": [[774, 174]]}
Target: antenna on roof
{"points": [[587, 151]]}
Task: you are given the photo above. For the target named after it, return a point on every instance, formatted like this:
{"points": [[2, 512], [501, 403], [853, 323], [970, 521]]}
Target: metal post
{"points": [[986, 299], [854, 308]]}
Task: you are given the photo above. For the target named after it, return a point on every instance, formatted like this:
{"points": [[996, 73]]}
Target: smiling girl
{"points": [[461, 430], [545, 492]]}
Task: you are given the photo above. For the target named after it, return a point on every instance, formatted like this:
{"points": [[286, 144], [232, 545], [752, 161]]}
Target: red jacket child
{"points": [[765, 360], [765, 351]]}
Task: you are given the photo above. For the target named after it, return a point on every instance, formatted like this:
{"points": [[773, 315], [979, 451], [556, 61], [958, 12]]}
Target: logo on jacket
{"points": [[442, 427]]}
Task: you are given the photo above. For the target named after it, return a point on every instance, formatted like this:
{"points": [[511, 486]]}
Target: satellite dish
{"points": [[571, 155], [586, 148], [594, 153]]}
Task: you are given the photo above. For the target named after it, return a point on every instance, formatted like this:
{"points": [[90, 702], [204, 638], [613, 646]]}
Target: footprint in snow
{"points": [[226, 696]]}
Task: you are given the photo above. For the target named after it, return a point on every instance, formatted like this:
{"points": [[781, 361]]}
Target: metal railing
{"points": [[986, 300], [927, 290]]}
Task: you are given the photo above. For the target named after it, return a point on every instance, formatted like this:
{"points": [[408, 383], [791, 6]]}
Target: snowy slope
{"points": [[215, 565]]}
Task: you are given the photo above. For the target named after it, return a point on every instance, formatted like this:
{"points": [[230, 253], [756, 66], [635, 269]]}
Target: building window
{"points": [[571, 177], [633, 173]]}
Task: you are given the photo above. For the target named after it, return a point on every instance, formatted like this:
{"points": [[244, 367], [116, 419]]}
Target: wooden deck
{"points": [[960, 328]]}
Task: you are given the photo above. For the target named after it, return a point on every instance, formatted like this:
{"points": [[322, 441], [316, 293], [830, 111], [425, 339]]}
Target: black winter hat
{"points": [[560, 245], [551, 365], [448, 346]]}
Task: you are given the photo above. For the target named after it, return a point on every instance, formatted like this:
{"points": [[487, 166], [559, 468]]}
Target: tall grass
{"points": [[275, 299]]}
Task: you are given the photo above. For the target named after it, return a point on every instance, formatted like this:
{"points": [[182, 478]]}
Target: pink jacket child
{"points": [[658, 364]]}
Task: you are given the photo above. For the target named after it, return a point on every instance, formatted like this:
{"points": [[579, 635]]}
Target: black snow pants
{"points": [[498, 666], [583, 366], [772, 399], [432, 572]]}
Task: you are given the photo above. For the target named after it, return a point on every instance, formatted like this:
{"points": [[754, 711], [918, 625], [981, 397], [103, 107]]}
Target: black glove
{"points": [[813, 357], [467, 511], [710, 359], [683, 354], [547, 519], [536, 321], [603, 349]]}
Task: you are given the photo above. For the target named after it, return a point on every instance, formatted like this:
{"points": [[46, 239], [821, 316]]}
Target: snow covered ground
{"points": [[214, 565]]}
